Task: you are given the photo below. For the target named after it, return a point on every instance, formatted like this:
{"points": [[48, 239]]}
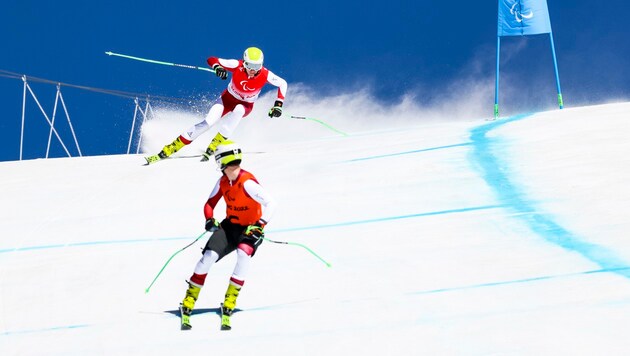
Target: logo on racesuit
{"points": [[518, 14], [245, 87]]}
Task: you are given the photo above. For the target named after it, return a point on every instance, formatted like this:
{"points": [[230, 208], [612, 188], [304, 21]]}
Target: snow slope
{"points": [[447, 238]]}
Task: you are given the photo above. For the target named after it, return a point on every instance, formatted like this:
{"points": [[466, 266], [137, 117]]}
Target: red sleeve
{"points": [[208, 208], [212, 61]]}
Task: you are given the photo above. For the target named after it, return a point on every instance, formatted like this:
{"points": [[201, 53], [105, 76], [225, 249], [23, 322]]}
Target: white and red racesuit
{"points": [[237, 101]]}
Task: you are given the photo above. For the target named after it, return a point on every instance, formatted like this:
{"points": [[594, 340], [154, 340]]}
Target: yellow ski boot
{"points": [[166, 151], [227, 308], [216, 141], [188, 304], [173, 147]]}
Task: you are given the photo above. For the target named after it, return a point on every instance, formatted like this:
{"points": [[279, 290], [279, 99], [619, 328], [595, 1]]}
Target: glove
{"points": [[256, 231], [253, 235], [212, 225], [220, 72], [276, 110]]}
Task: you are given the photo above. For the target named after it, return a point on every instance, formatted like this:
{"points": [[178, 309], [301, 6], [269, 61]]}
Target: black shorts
{"points": [[225, 240]]}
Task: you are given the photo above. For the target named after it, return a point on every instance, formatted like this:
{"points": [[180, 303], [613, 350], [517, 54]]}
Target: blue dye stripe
{"points": [[369, 221], [32, 331], [90, 243], [271, 231], [525, 280], [410, 152], [496, 175]]}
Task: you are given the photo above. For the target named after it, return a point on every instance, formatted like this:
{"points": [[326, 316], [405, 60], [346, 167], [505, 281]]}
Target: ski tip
{"points": [[152, 159]]}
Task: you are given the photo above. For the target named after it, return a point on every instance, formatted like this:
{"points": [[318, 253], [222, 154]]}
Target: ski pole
{"points": [[169, 260], [320, 122], [297, 244], [159, 62]]}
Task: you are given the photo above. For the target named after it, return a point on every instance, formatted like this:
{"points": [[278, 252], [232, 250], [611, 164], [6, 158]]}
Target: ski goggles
{"points": [[227, 158], [252, 66]]}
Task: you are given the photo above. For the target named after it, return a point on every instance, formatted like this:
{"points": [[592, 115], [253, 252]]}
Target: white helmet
{"points": [[253, 59], [228, 153]]}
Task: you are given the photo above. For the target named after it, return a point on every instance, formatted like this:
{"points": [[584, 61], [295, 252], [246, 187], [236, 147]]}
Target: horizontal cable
{"points": [[119, 93]]}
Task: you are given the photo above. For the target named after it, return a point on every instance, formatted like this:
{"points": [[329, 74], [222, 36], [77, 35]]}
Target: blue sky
{"points": [[408, 47]]}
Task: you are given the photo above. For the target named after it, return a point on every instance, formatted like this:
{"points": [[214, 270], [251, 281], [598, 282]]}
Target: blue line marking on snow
{"points": [[524, 280], [358, 222], [32, 331], [410, 152], [324, 226], [90, 243], [496, 175]]}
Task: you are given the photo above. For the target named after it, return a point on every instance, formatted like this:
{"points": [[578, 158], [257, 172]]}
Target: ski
{"points": [[204, 158], [154, 158], [225, 318], [185, 318], [151, 159]]}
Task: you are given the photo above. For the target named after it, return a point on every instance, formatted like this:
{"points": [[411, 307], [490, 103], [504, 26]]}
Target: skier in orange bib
{"points": [[248, 209]]}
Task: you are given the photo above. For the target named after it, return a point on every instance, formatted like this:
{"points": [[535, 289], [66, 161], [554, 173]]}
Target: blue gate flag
{"points": [[523, 17]]}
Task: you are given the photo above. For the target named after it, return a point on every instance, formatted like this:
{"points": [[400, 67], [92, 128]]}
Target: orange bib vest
{"points": [[241, 209]]}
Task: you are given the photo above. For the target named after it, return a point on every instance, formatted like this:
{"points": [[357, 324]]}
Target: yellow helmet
{"points": [[253, 59], [228, 152]]}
